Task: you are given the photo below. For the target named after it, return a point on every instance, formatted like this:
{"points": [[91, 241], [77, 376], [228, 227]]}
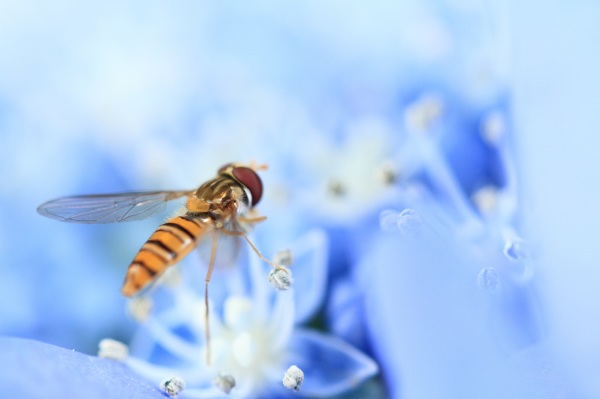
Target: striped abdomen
{"points": [[170, 243]]}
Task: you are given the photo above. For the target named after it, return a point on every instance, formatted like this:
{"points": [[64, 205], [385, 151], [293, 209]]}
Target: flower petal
{"points": [[330, 365], [310, 273], [32, 369], [426, 314], [345, 306]]}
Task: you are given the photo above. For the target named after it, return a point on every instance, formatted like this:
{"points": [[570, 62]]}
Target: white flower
{"points": [[254, 339]]}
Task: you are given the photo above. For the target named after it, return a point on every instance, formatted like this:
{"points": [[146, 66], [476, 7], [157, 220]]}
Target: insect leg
{"points": [[211, 265], [252, 220], [260, 255]]}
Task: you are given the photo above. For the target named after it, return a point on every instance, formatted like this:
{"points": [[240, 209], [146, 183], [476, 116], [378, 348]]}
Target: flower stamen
{"points": [[293, 378], [172, 386], [112, 349], [225, 382]]}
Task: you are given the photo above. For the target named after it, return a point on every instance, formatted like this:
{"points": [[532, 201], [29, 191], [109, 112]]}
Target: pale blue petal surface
{"points": [[435, 330], [557, 97], [310, 273], [35, 370]]}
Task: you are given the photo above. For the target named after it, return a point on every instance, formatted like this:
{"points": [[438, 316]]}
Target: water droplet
{"points": [[516, 249], [406, 222], [409, 221], [488, 279]]}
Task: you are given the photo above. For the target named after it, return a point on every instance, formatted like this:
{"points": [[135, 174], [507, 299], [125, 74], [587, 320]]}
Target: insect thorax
{"points": [[221, 198]]}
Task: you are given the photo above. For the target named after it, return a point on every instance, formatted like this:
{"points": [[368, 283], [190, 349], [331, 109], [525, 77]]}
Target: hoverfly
{"points": [[219, 206]]}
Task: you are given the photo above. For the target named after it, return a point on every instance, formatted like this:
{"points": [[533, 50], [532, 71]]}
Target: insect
{"points": [[219, 206]]}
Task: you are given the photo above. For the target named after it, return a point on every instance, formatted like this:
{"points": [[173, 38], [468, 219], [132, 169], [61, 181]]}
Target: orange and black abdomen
{"points": [[170, 243]]}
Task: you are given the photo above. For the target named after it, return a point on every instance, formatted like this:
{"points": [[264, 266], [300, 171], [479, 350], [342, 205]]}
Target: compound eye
{"points": [[250, 179]]}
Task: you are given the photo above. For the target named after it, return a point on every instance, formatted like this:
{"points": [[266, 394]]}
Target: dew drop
{"points": [[409, 221], [488, 279], [516, 249]]}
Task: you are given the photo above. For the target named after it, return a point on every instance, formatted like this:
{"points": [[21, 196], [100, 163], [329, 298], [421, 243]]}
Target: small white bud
{"points": [[387, 173], [493, 127], [112, 349], [225, 382], [172, 386], [284, 258], [281, 279], [293, 378], [421, 115], [486, 199], [139, 308], [488, 279]]}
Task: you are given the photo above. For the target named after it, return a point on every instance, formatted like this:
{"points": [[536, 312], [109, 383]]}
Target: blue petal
{"points": [[330, 365], [344, 308], [310, 273], [309, 270], [32, 369], [434, 330], [560, 175]]}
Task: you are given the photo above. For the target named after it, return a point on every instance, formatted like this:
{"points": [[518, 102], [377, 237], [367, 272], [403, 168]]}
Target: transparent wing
{"points": [[228, 250], [108, 208]]}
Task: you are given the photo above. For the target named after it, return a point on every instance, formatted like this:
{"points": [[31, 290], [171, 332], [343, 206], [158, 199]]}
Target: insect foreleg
{"points": [[258, 253]]}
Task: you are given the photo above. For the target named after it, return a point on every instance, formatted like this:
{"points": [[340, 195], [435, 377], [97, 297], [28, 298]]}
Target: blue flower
{"points": [[446, 281], [255, 336]]}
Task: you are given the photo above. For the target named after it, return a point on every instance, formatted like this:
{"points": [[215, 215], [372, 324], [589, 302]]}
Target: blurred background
{"points": [[110, 96]]}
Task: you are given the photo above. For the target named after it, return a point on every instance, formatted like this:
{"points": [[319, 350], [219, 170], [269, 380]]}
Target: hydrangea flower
{"points": [[255, 338], [451, 258], [133, 96]]}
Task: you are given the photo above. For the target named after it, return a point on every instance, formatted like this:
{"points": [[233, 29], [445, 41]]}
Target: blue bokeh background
{"points": [[108, 96]]}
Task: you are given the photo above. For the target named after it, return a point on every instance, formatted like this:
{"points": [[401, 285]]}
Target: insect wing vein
{"points": [[108, 208]]}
